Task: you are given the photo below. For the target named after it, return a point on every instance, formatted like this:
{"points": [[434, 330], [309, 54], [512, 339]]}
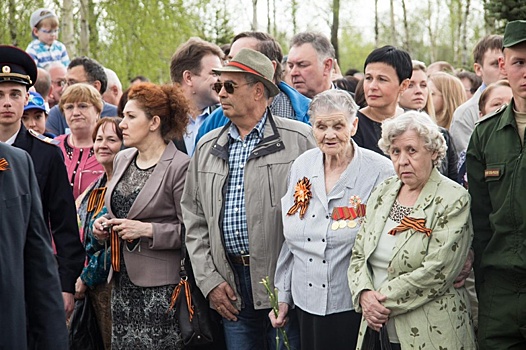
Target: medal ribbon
{"points": [[302, 196], [411, 223], [3, 164]]}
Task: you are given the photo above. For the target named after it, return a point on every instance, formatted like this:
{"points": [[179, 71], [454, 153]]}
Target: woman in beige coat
{"points": [[412, 245]]}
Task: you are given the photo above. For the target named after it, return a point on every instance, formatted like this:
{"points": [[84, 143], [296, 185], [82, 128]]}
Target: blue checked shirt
{"points": [[44, 54], [235, 219]]}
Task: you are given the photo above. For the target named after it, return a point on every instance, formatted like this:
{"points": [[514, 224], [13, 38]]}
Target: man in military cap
{"points": [[232, 216], [17, 73], [497, 182]]}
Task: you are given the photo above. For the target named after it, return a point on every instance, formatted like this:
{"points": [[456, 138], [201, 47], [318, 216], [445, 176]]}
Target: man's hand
{"points": [[221, 298], [282, 318], [464, 273], [374, 312], [69, 303]]}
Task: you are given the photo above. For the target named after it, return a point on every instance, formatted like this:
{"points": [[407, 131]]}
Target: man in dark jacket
{"points": [[58, 205]]}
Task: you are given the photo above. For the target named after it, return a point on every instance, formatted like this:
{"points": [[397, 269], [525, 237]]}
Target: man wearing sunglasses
{"points": [[32, 310], [18, 73], [81, 70], [231, 201], [288, 103]]}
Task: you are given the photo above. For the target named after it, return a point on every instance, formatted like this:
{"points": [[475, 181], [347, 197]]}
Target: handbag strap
{"points": [[182, 270]]}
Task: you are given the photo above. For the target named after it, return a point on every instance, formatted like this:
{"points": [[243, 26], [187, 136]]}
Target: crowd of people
{"points": [[384, 206]]}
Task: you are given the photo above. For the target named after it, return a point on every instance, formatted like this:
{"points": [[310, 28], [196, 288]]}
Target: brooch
{"points": [[411, 223], [302, 196], [3, 164]]}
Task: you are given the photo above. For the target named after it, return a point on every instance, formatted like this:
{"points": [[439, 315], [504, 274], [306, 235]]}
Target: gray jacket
{"points": [[202, 203]]}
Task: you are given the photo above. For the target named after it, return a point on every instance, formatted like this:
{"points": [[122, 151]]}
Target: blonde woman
{"points": [[447, 93]]}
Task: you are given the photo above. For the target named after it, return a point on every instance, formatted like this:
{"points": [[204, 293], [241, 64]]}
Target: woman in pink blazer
{"points": [[144, 214]]}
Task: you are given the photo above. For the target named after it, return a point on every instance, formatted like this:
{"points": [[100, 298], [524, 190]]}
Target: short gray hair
{"points": [[251, 80], [319, 42], [424, 127], [330, 101]]}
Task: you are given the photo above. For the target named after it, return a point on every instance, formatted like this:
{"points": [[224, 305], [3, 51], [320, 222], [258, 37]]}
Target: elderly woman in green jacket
{"points": [[412, 245]]}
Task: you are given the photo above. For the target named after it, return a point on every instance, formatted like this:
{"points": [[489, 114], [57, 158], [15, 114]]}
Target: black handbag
{"points": [[192, 310], [84, 332], [374, 340]]}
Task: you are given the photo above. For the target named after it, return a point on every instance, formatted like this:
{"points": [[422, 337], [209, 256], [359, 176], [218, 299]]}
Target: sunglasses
{"points": [[36, 100], [229, 86]]}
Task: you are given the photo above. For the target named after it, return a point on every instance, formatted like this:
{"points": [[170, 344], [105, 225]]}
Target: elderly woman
{"points": [[107, 142], [144, 216], [322, 212], [412, 245], [81, 104]]}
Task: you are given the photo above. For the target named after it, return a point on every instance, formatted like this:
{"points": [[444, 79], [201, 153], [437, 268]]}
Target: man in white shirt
{"points": [[191, 69]]}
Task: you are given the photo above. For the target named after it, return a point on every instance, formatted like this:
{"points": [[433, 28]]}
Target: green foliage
{"points": [[353, 49], [500, 12], [14, 26]]}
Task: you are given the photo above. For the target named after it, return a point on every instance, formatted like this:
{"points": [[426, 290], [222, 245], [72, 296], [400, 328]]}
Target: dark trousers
{"points": [[502, 311], [336, 331]]}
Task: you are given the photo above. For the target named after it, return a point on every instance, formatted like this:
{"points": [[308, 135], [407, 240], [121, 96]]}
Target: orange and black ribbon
{"points": [[115, 251], [302, 196], [411, 223], [3, 164], [96, 200], [183, 283]]}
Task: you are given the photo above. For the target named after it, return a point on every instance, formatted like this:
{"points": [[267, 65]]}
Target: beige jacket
{"points": [[202, 203]]}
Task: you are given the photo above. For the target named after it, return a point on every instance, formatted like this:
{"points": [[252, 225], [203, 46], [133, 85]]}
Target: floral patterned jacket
{"points": [[429, 312]]}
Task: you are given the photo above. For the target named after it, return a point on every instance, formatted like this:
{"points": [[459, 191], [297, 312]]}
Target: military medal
{"points": [[352, 224], [342, 224], [335, 225]]}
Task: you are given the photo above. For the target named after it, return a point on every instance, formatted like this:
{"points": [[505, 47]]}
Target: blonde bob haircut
{"points": [[453, 95], [81, 92], [424, 127]]}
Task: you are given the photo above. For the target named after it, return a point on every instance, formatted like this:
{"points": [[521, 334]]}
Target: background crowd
{"points": [[349, 191]]}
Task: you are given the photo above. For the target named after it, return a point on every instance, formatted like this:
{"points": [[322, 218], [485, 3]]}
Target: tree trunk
{"points": [[254, 15], [465, 53], [68, 33], [335, 26], [376, 29], [84, 49], [407, 45], [12, 23], [294, 12], [392, 20], [431, 31], [269, 22], [275, 27]]}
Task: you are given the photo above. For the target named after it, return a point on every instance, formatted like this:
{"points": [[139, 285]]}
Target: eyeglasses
{"points": [[229, 86], [60, 83], [52, 32], [73, 82], [82, 107], [36, 100]]}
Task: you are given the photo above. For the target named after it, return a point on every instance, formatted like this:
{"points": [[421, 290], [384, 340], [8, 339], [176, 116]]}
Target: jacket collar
{"points": [[270, 143], [385, 203], [151, 187], [507, 117], [299, 102], [22, 140]]}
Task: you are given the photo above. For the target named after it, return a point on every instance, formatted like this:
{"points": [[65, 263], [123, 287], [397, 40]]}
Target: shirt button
{"points": [[310, 284], [310, 259], [238, 187], [245, 145], [323, 285], [313, 215], [324, 261], [258, 303], [323, 240], [390, 269], [327, 216], [308, 239], [236, 209], [237, 232], [241, 166], [242, 252]]}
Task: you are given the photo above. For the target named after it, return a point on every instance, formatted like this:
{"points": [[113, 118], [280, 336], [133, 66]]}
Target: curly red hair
{"points": [[166, 101]]}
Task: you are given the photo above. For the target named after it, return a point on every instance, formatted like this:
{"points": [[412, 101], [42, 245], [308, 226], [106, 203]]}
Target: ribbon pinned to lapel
{"points": [[412, 223], [4, 165], [96, 200], [302, 196]]}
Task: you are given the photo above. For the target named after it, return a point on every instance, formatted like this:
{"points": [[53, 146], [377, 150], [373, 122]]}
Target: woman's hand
{"points": [[99, 230], [80, 289], [282, 318], [131, 229], [374, 312]]}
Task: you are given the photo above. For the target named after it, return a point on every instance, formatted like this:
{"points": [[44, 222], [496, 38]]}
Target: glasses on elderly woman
{"points": [[81, 106], [229, 86], [37, 100]]}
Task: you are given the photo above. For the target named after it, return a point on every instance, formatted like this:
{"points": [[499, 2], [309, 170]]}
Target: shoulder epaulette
{"points": [[43, 138], [492, 114]]}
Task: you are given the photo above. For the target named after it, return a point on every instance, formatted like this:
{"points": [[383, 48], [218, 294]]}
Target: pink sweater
{"points": [[81, 164]]}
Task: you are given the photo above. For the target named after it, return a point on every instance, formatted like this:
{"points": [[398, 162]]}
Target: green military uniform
{"points": [[496, 167]]}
